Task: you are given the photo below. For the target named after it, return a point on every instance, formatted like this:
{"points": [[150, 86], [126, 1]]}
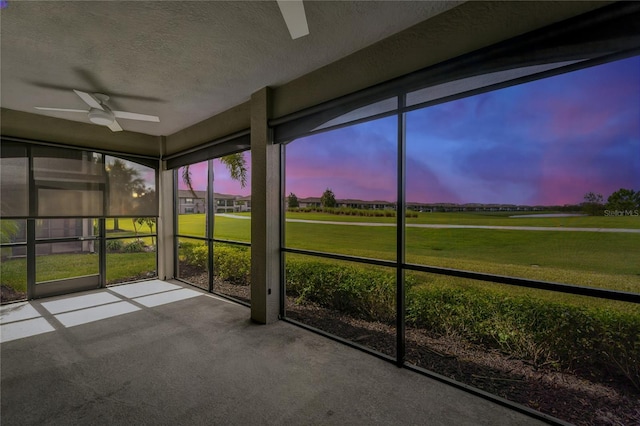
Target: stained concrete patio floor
{"points": [[167, 354]]}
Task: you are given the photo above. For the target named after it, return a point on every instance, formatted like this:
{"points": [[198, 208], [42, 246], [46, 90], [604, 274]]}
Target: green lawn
{"points": [[126, 229], [597, 259], [609, 260], [53, 267], [225, 228]]}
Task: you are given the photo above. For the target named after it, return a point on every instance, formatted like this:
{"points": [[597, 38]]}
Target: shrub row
{"points": [[595, 341], [347, 211], [230, 263], [600, 342], [365, 294]]}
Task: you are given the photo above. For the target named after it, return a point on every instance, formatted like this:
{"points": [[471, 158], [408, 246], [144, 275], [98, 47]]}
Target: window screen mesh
{"points": [[73, 183], [68, 182], [132, 188], [14, 181]]}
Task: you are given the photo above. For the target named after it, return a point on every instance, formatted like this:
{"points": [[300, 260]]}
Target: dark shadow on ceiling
{"points": [[93, 85]]}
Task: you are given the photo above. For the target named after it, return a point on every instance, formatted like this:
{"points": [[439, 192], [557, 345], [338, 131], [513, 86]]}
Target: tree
{"points": [[293, 201], [328, 199], [593, 203], [624, 199], [8, 230], [123, 181], [149, 221]]}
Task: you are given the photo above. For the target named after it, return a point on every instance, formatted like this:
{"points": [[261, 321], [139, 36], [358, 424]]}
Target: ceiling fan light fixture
{"points": [[103, 118], [100, 113]]}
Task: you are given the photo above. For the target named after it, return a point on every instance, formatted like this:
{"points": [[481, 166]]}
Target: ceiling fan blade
{"points": [[115, 127], [61, 109], [136, 116], [89, 99], [294, 16]]}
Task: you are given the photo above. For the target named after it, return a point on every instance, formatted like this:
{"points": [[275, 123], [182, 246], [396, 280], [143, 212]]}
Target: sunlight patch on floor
{"points": [[25, 319]]}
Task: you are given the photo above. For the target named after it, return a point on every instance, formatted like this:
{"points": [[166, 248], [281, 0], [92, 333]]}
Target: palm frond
{"points": [[187, 179], [237, 166]]}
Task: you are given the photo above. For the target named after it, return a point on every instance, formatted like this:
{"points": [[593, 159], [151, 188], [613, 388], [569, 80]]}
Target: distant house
{"points": [[244, 203], [348, 203], [226, 203], [366, 205], [196, 202], [309, 202], [192, 202]]}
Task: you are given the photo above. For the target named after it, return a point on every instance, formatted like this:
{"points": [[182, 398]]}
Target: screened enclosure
{"points": [[459, 221], [212, 208], [74, 219]]}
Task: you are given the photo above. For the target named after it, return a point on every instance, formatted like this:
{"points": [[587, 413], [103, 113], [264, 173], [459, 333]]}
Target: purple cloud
{"points": [[546, 142]]}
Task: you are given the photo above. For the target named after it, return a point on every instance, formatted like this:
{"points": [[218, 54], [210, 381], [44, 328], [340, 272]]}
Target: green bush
{"points": [[232, 264], [115, 246], [366, 294], [593, 341], [195, 254], [134, 247]]}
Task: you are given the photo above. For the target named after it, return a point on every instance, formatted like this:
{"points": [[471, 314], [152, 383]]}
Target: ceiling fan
{"points": [[100, 113]]}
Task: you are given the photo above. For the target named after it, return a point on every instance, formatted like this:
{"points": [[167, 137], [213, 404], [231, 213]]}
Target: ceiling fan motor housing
{"points": [[103, 118]]}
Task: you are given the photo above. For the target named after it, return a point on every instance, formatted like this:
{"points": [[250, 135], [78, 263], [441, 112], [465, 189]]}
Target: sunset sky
{"points": [[542, 143]]}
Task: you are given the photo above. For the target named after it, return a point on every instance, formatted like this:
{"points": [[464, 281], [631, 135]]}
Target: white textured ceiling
{"points": [[183, 61]]}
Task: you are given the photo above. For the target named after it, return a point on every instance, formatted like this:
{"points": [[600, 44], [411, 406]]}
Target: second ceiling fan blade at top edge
{"points": [[88, 99], [62, 109], [136, 116], [295, 17]]}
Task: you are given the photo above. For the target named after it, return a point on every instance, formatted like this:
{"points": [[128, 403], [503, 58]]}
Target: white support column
{"points": [[265, 213], [164, 243]]}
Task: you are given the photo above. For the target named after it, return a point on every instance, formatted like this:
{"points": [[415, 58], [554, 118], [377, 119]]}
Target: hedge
{"points": [[230, 263], [598, 341]]}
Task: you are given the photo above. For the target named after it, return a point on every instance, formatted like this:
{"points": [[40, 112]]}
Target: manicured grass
{"points": [[608, 260], [225, 228], [53, 267], [232, 229], [192, 224], [58, 266], [613, 253], [595, 259], [126, 229], [13, 273], [585, 251], [129, 265]]}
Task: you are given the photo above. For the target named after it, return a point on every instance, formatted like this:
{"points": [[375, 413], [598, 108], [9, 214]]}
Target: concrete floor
{"points": [[163, 354]]}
